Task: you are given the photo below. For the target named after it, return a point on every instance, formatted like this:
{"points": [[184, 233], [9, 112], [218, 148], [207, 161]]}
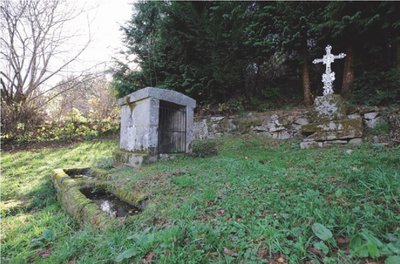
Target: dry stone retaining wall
{"points": [[275, 124]]}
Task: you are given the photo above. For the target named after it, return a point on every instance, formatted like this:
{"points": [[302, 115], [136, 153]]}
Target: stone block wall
{"points": [[280, 124], [274, 124]]}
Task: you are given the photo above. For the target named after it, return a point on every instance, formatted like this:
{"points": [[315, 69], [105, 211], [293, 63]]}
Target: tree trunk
{"points": [[348, 73], [306, 85]]}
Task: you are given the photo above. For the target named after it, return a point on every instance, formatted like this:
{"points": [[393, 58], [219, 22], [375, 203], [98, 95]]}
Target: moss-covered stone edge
{"points": [[83, 209]]}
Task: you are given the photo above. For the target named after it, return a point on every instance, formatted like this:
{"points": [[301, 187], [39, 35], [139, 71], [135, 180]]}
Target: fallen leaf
{"points": [[45, 253], [229, 252], [281, 260], [148, 259], [342, 240], [262, 252]]}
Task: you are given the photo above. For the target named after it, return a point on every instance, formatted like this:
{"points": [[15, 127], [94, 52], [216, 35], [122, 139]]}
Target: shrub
{"points": [[205, 148], [377, 88], [19, 120]]}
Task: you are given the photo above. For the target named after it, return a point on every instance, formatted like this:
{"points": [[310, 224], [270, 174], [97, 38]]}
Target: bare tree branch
{"points": [[32, 36]]}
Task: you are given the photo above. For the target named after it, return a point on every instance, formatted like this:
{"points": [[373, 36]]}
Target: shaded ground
{"points": [[36, 146]]}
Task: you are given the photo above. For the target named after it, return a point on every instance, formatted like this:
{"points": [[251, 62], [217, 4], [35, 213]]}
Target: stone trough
{"points": [[88, 197]]}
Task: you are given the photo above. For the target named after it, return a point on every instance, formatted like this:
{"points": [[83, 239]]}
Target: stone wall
{"points": [[281, 124], [274, 124]]}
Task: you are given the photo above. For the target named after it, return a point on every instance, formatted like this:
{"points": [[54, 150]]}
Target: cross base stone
{"points": [[330, 124]]}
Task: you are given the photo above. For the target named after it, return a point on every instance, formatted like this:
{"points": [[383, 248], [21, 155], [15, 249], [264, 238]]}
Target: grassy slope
{"points": [[256, 199]]}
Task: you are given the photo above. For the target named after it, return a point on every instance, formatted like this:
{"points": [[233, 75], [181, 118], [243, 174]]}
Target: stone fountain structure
{"points": [[154, 122]]}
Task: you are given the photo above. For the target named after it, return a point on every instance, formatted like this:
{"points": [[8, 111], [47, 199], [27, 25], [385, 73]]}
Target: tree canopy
{"points": [[262, 51]]}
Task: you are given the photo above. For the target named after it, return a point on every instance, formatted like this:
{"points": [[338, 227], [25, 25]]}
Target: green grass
{"points": [[255, 202]]}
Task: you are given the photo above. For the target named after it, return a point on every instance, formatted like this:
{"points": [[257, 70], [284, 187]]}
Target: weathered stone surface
{"points": [[301, 121], [355, 141], [281, 135], [331, 126], [200, 129], [275, 127], [354, 116], [216, 118], [328, 107], [228, 125], [158, 94], [371, 119], [336, 142], [140, 123], [83, 209], [310, 144], [334, 129], [132, 159], [261, 129], [371, 115], [260, 123], [394, 123]]}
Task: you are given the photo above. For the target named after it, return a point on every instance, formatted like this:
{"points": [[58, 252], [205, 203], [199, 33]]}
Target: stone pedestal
{"points": [[330, 125]]}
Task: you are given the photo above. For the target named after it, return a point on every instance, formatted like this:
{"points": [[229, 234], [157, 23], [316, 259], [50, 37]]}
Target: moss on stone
{"points": [[79, 206], [133, 159], [245, 123], [334, 129], [328, 107]]}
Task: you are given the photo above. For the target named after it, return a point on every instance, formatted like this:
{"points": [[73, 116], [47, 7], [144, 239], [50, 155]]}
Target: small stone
{"points": [[349, 151], [281, 135], [355, 141], [276, 129], [310, 144], [353, 116], [216, 118], [375, 139], [301, 121], [371, 115], [372, 123], [260, 128], [339, 142]]}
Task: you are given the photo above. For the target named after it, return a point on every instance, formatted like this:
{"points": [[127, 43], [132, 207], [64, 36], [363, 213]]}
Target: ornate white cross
{"points": [[329, 76]]}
